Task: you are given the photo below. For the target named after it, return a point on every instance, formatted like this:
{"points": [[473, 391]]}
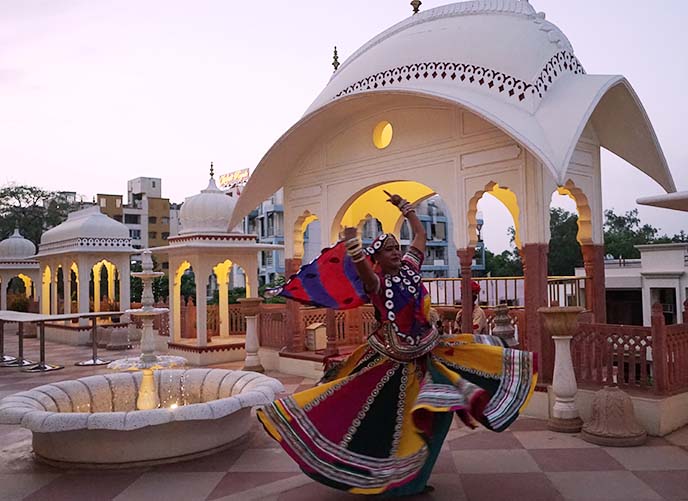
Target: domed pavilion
{"points": [[461, 100], [208, 249], [17, 261], [89, 254]]}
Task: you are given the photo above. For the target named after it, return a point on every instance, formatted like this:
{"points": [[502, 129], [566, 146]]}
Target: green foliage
{"points": [[18, 302], [279, 281], [161, 288], [135, 284], [622, 233], [188, 286], [32, 210], [564, 251], [506, 264]]}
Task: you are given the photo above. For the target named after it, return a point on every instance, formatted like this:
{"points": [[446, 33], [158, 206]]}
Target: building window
{"points": [[165, 235], [103, 202], [135, 234], [132, 219], [153, 184], [152, 220], [152, 234], [382, 135], [118, 203], [165, 220], [438, 231], [165, 265]]}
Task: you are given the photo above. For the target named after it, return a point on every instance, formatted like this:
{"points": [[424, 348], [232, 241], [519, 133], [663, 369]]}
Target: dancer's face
{"points": [[389, 256]]}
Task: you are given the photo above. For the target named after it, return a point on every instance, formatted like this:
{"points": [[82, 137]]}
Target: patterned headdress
{"points": [[377, 244]]}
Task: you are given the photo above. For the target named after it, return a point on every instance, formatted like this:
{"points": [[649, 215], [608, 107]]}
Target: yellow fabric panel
{"points": [[410, 442], [268, 426], [482, 357], [303, 397]]}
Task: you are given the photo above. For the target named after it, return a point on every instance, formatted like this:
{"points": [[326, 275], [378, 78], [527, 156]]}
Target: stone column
{"points": [[250, 308], [3, 292], [534, 260], [124, 283], [466, 262], [67, 283], [54, 298], [296, 333], [595, 293], [201, 275], [223, 306], [84, 267], [110, 281], [45, 292], [175, 301], [96, 287]]}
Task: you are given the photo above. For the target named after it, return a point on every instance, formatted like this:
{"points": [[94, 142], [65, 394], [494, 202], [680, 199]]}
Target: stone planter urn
{"points": [[561, 323]]}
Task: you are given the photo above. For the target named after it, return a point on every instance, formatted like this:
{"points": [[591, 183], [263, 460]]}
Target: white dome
{"points": [[86, 224], [207, 212], [481, 45], [16, 247]]}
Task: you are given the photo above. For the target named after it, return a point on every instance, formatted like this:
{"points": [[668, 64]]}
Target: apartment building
{"points": [[146, 213]]}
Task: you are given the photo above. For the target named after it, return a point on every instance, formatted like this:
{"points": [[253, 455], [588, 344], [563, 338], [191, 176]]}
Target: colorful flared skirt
{"points": [[377, 425]]}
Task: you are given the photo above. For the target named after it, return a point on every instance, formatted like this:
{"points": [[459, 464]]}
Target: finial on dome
{"points": [[416, 6], [335, 59], [212, 170]]}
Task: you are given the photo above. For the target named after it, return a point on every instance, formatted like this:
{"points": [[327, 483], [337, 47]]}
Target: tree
{"points": [[506, 264], [32, 210], [623, 233], [564, 251]]}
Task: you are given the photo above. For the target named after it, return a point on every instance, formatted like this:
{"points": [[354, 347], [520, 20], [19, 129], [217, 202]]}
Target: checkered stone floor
{"points": [[527, 462]]}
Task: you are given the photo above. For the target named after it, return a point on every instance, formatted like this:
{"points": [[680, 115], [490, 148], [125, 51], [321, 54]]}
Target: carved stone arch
{"points": [[300, 225], [507, 197], [585, 229]]}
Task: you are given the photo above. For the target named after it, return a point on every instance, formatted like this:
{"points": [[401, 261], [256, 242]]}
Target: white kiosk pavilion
{"points": [[206, 246], [462, 100], [76, 252], [17, 261]]}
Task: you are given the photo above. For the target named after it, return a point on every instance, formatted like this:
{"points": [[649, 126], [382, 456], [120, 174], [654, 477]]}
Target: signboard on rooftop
{"points": [[235, 178]]}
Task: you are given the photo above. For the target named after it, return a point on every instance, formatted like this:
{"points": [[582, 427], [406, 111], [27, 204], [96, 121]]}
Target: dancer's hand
{"points": [[395, 200], [349, 233]]}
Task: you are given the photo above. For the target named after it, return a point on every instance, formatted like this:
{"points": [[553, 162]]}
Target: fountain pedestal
{"points": [[561, 323], [250, 307]]}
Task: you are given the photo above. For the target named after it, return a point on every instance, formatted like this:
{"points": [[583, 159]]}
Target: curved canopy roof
{"points": [[86, 230], [676, 201], [526, 81], [16, 247]]}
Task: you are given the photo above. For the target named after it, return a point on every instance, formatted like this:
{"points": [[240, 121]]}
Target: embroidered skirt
{"points": [[378, 424]]}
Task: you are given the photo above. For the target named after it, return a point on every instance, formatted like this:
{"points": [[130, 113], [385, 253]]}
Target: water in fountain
{"points": [[148, 361]]}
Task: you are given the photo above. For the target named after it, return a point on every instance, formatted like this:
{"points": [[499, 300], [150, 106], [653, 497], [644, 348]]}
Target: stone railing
{"points": [[648, 359], [272, 330]]}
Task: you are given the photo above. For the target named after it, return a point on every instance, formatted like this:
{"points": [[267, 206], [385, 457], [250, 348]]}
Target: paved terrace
{"points": [[527, 462]]}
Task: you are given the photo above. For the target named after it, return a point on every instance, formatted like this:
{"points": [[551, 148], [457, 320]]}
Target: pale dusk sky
{"points": [[95, 92]]}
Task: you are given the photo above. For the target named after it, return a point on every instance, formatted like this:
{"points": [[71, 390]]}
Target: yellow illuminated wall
{"points": [[373, 202]]}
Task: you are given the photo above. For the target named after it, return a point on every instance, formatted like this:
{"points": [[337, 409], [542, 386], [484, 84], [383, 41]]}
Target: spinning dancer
{"points": [[376, 423]]}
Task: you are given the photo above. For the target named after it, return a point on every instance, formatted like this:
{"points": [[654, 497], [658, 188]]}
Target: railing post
{"points": [[294, 324], [331, 331], [466, 262], [659, 349]]}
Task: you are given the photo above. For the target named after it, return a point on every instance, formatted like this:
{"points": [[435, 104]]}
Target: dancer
{"points": [[376, 423]]}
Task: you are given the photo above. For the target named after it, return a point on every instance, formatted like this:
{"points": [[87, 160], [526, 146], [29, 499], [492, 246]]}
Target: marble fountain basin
{"points": [[92, 422]]}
